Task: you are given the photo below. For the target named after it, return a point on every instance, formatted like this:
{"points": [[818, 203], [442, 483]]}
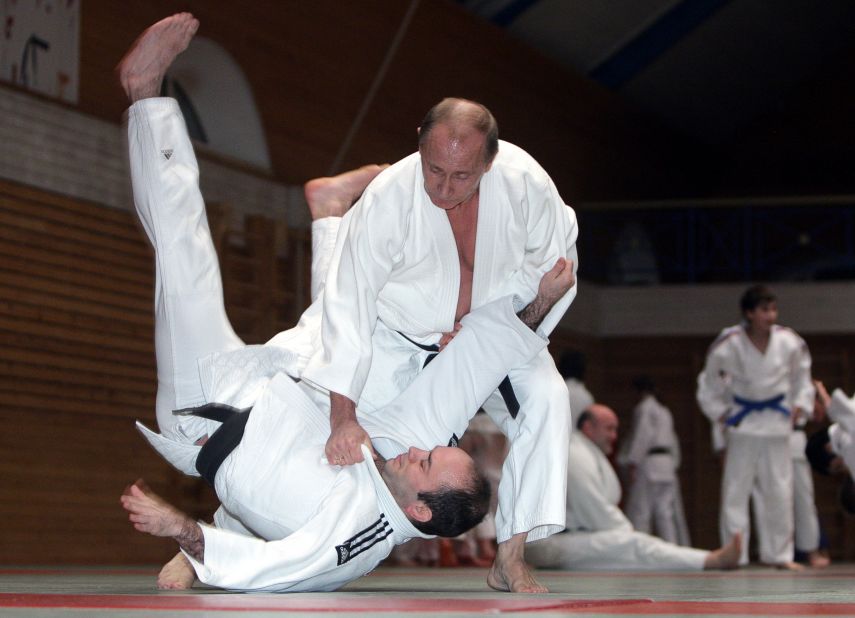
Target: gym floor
{"points": [[414, 592]]}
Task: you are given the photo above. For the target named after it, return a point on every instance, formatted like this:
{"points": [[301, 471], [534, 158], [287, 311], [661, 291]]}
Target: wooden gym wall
{"points": [[77, 367]]}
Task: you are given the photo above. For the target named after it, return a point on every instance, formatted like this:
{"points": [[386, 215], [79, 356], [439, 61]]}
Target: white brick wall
{"points": [[55, 148]]}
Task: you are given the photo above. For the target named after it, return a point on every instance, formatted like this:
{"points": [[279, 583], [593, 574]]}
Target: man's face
{"points": [[418, 471], [602, 431], [763, 316], [452, 166]]}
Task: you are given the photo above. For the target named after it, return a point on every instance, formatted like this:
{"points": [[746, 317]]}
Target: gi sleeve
{"points": [[642, 437], [802, 391], [304, 560], [713, 394], [585, 498], [368, 243], [552, 231]]}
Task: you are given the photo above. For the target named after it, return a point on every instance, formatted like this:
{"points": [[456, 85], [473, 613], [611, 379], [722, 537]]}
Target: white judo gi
{"points": [[598, 534], [579, 395], [654, 452], [805, 516], [396, 271], [320, 525], [753, 393], [841, 434]]}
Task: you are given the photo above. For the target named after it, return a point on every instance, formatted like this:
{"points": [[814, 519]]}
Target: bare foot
{"points": [[332, 196], [142, 69], [818, 560], [789, 566], [509, 572], [177, 574], [726, 556]]}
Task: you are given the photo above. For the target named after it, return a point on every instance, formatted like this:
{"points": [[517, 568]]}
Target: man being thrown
{"points": [[407, 268], [598, 535], [262, 446]]}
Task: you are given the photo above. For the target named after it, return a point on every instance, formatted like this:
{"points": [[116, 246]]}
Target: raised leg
{"points": [[190, 318]]}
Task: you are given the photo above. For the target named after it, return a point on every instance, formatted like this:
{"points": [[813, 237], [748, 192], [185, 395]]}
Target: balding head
{"points": [[462, 117], [599, 424]]}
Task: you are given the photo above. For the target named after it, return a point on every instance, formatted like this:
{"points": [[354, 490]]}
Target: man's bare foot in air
{"points": [[332, 196], [142, 69], [726, 556], [177, 574], [509, 572]]}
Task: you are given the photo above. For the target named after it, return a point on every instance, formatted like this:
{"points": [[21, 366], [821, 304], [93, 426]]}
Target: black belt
{"points": [[223, 441], [506, 389], [659, 450]]}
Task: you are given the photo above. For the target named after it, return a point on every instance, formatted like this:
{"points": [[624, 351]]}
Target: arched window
{"points": [[217, 102]]}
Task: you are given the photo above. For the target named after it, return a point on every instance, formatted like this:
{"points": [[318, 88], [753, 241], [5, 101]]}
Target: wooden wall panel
{"points": [[77, 368]]}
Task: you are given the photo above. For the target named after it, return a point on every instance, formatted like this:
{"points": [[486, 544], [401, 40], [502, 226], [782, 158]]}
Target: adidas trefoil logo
{"points": [[167, 153]]}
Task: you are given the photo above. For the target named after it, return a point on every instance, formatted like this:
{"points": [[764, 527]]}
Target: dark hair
{"points": [[480, 119], [643, 384], [584, 418], [755, 296], [572, 365], [454, 511], [820, 458]]}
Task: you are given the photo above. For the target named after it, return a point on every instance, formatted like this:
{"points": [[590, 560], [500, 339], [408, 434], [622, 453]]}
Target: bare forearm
{"points": [[533, 313], [342, 410], [191, 539]]}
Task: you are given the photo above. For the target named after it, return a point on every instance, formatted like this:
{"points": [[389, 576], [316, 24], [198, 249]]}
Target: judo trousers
{"points": [[759, 468], [619, 549]]}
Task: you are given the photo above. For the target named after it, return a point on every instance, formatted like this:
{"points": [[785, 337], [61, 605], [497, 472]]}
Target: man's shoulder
{"points": [[790, 337], [728, 336], [397, 177], [513, 160]]}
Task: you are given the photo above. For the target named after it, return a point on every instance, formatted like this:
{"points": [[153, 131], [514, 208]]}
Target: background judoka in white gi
{"points": [[758, 448], [653, 454], [397, 270], [571, 366], [598, 534]]}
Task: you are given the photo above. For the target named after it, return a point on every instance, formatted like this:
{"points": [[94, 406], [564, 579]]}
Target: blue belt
{"points": [[749, 406]]}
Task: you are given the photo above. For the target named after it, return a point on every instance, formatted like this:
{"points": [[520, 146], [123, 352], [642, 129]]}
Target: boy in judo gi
{"points": [[756, 385]]}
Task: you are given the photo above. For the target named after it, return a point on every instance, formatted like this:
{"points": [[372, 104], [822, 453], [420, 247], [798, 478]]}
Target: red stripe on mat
{"points": [[349, 603], [737, 608], [313, 603]]}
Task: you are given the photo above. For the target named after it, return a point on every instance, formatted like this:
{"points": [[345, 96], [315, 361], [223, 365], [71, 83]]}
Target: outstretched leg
{"points": [[190, 318]]}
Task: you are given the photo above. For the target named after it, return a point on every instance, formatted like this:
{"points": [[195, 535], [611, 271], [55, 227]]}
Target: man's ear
{"points": [[418, 511]]}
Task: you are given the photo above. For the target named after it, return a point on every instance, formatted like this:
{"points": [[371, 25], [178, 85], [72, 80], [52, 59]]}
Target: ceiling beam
{"points": [[649, 44]]}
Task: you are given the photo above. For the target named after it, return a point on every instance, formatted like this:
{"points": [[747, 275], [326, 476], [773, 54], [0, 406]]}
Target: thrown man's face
{"points": [[418, 471]]}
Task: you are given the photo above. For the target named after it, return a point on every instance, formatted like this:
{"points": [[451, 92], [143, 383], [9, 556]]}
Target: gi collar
{"points": [[401, 524]]}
